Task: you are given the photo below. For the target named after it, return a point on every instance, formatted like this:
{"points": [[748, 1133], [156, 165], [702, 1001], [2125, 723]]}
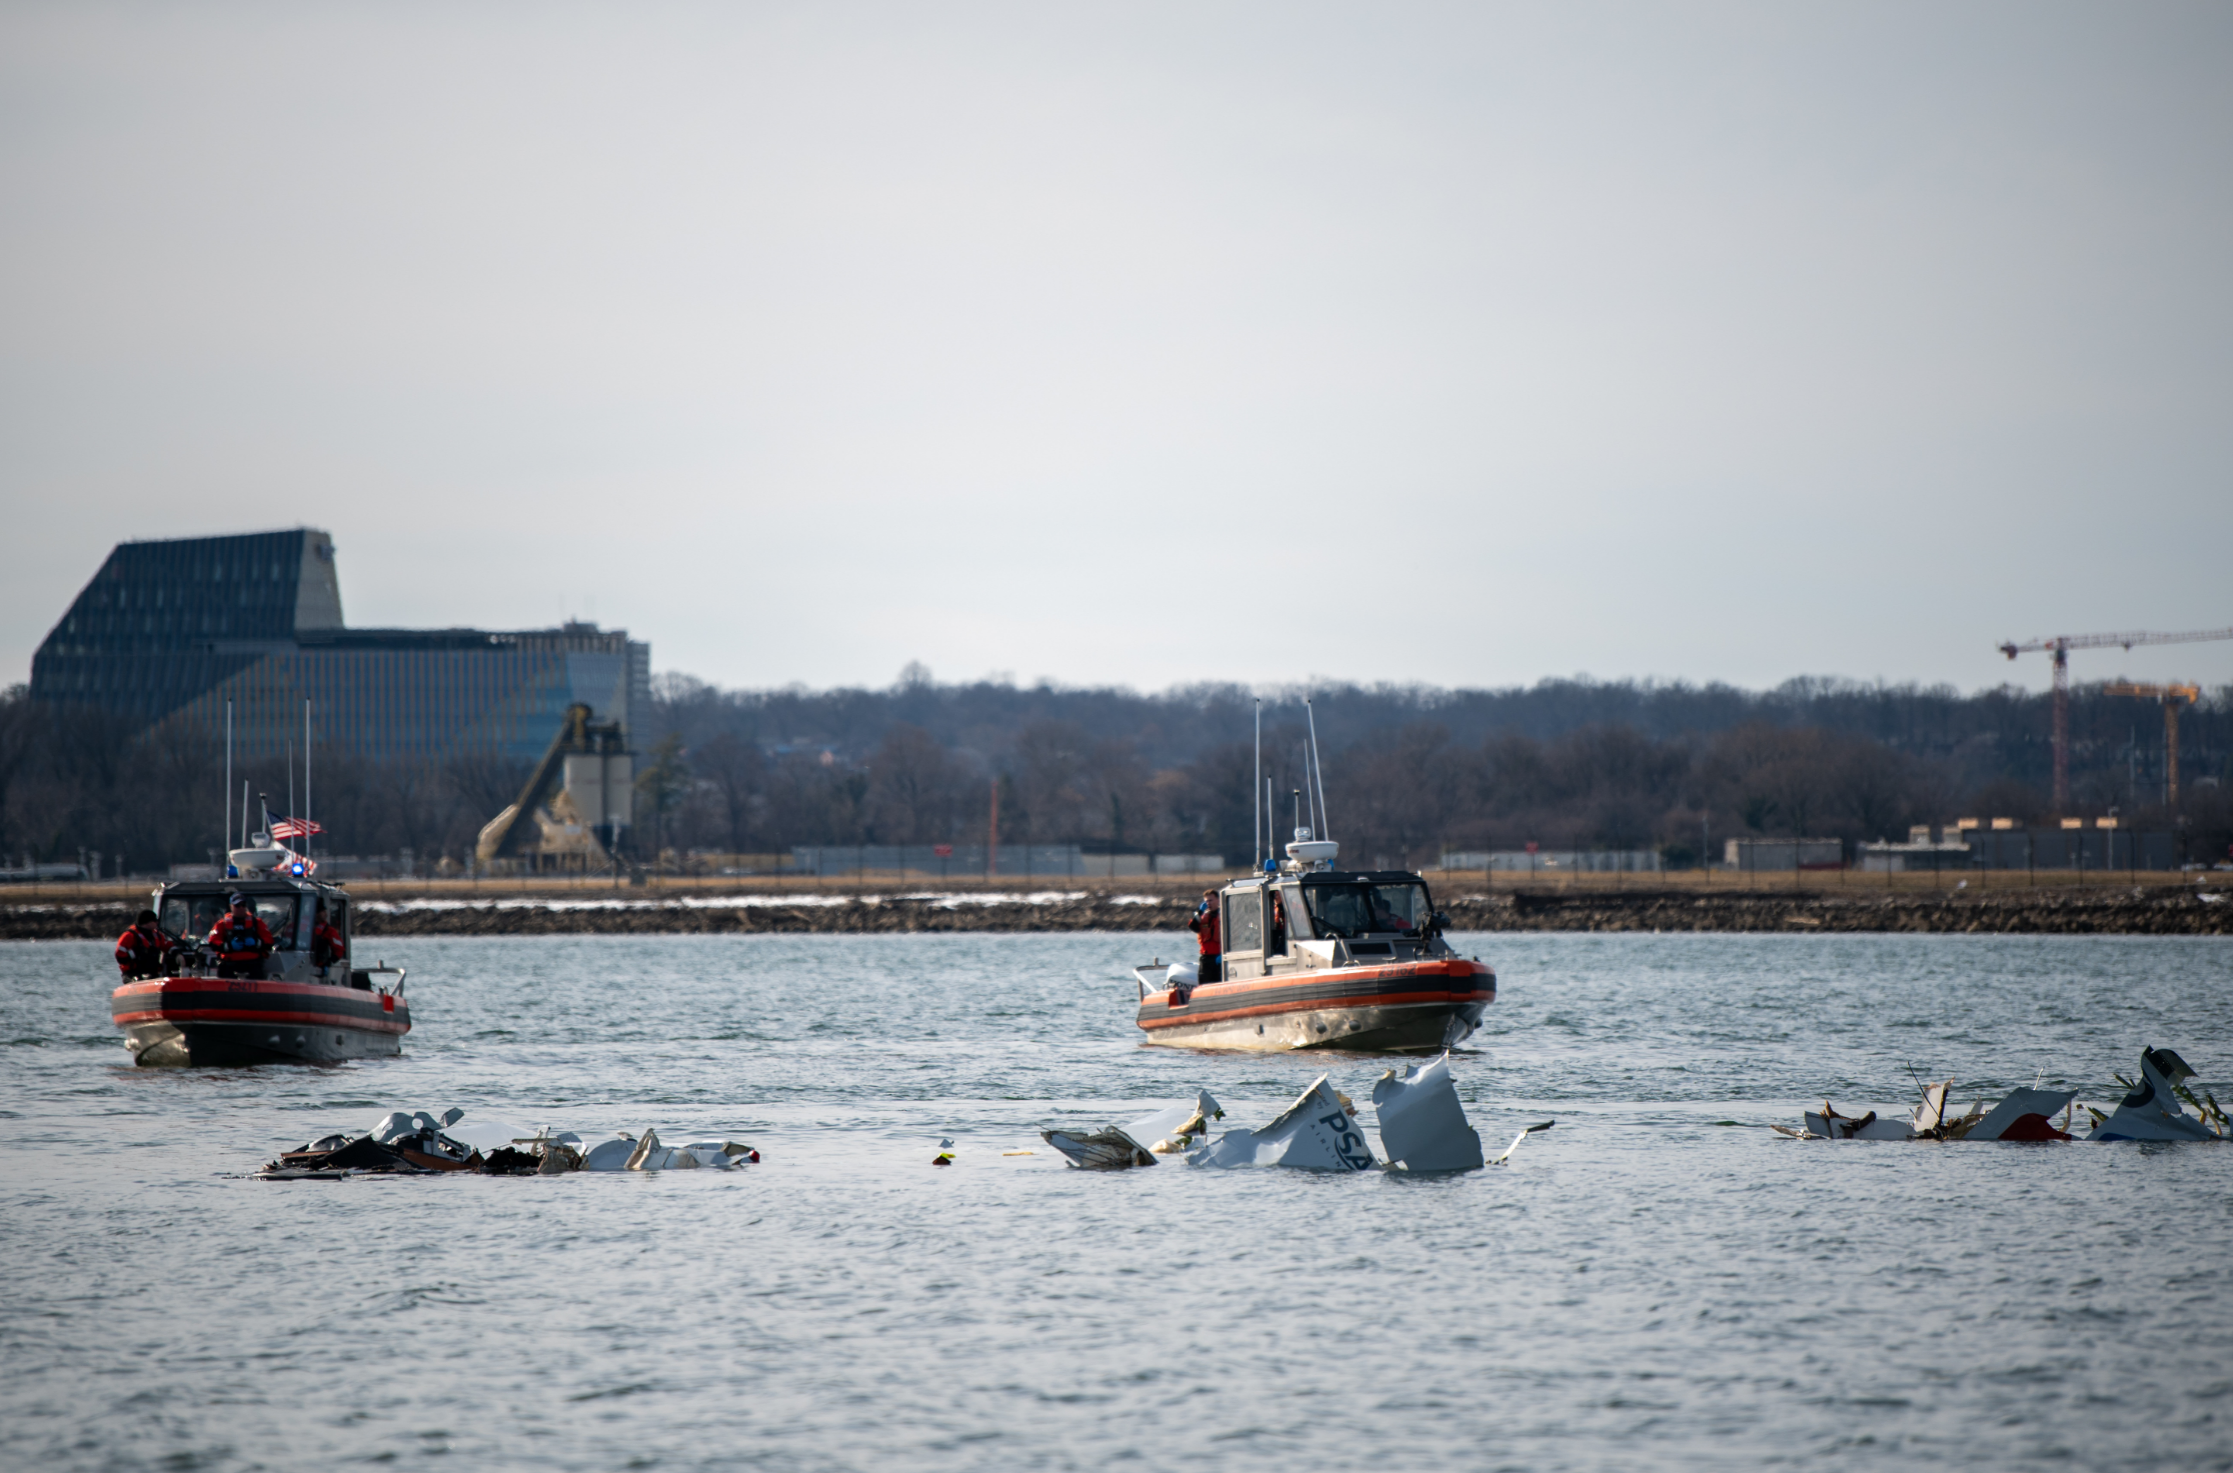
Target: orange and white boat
{"points": [[1316, 957], [296, 1012]]}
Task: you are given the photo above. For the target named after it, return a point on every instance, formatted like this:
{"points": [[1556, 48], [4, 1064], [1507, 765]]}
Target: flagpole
{"points": [[307, 828]]}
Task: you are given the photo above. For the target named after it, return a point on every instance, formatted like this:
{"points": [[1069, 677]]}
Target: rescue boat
{"points": [[1320, 958], [296, 1013]]}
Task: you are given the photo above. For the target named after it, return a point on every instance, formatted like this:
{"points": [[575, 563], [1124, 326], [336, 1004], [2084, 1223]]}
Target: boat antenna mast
{"points": [[1318, 767], [1256, 796]]}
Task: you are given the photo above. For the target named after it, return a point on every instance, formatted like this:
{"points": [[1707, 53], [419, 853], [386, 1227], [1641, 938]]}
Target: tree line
{"points": [[1409, 772]]}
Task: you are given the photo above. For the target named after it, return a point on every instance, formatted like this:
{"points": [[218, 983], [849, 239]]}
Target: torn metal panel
{"points": [[417, 1141], [1931, 1114], [1119, 1147], [1109, 1149], [609, 1155], [1927, 1122], [2151, 1112], [1829, 1125], [650, 1154], [2021, 1115], [2024, 1115], [1167, 1132], [482, 1133], [335, 1154], [403, 1124], [1314, 1134], [1422, 1124]]}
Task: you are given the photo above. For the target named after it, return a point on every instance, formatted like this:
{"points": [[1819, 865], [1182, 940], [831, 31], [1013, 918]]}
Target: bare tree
{"points": [[736, 773], [914, 789]]}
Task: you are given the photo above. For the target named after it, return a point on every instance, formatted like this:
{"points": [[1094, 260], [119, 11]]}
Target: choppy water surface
{"points": [[1649, 1286]]}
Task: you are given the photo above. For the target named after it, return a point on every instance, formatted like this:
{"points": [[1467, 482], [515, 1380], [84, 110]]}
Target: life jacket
{"points": [[238, 937], [327, 946], [1205, 926], [139, 953]]}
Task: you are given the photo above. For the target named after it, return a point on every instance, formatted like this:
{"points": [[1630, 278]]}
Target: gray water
{"points": [[1658, 1282]]}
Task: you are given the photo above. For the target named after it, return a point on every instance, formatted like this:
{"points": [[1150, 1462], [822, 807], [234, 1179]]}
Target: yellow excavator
{"points": [[576, 805]]}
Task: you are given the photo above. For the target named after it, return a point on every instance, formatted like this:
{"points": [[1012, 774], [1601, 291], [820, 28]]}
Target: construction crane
{"points": [[2062, 645], [2173, 697]]}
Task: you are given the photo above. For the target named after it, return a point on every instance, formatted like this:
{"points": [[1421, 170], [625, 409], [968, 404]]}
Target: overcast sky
{"points": [[1145, 343]]}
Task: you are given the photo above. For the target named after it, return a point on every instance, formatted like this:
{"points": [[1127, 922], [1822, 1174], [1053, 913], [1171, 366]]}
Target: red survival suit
{"points": [[241, 941], [327, 946], [141, 951], [1205, 925]]}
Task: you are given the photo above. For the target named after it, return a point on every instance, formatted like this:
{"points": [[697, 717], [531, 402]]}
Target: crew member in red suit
{"points": [[328, 947], [142, 951], [241, 941], [1204, 925]]}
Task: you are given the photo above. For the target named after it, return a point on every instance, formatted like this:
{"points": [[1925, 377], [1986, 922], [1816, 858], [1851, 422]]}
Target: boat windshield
{"points": [[1350, 911], [190, 917]]}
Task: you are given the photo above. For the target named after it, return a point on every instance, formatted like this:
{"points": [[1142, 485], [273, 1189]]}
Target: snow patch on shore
{"points": [[943, 900]]}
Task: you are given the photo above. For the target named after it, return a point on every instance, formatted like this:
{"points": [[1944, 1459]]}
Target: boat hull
{"points": [[198, 1022], [1421, 1007]]}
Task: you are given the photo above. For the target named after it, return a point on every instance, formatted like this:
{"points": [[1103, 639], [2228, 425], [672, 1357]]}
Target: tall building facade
{"points": [[178, 629]]}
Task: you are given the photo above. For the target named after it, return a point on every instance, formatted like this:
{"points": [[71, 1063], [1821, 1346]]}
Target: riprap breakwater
{"points": [[2147, 911]]}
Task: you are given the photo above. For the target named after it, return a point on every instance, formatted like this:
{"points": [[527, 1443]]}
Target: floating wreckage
{"points": [[2024, 1115], [413, 1144], [1421, 1122], [1319, 1132], [1505, 1155], [2150, 1112], [1422, 1129], [1117, 1147]]}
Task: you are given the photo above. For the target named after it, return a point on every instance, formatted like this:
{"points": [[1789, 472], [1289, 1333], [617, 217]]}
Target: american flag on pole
{"points": [[295, 828]]}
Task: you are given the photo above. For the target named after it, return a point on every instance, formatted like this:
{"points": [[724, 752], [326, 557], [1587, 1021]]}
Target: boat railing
{"points": [[1153, 977], [378, 970]]}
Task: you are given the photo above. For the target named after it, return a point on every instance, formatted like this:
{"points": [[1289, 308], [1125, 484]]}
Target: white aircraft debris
{"points": [[1316, 1133], [1505, 1155], [2151, 1111], [2021, 1115], [1118, 1147], [410, 1142], [1422, 1124]]}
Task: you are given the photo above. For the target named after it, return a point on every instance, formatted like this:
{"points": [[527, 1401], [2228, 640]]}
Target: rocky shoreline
{"points": [[2138, 911]]}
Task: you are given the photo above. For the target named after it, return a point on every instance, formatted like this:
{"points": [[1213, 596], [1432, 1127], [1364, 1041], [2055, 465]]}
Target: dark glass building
{"points": [[177, 629]]}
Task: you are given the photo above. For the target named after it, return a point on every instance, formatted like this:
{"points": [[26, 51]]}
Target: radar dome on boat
{"points": [[266, 858], [1313, 851]]}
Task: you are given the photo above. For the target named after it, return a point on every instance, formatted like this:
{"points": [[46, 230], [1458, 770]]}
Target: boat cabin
{"points": [[287, 906], [1304, 919], [1317, 957]]}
